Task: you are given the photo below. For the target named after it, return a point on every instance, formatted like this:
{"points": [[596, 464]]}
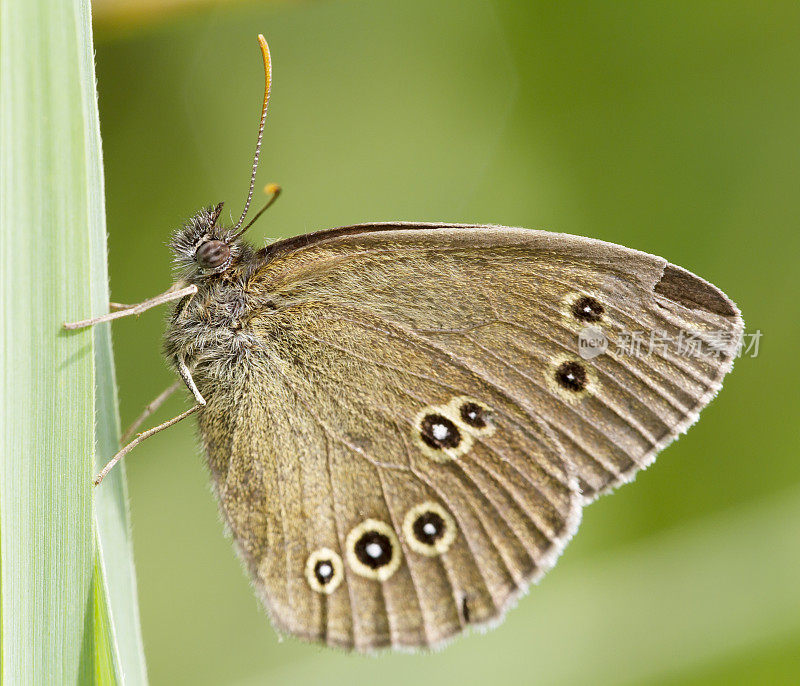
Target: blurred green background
{"points": [[670, 127]]}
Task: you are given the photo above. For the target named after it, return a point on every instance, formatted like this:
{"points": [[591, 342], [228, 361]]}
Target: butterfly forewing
{"points": [[506, 301]]}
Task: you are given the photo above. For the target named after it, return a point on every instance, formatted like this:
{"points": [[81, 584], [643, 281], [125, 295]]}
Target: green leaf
{"points": [[69, 612]]}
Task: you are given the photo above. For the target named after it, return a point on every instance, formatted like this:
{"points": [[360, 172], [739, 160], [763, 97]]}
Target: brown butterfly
{"points": [[398, 423]]}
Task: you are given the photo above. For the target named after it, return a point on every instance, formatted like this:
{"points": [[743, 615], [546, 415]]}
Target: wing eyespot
{"points": [[429, 529], [439, 431], [587, 309], [473, 416], [373, 550], [583, 308], [440, 434], [571, 378], [324, 570]]}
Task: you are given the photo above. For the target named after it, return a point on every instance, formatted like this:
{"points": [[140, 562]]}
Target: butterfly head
{"points": [[203, 248]]}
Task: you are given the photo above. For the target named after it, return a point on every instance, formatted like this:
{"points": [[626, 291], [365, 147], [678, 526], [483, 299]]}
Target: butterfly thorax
{"points": [[209, 329]]}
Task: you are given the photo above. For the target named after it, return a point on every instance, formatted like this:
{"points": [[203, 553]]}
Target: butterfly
{"points": [[399, 424]]}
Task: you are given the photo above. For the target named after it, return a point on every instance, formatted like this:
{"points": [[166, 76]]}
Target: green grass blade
{"points": [[115, 551], [68, 594]]}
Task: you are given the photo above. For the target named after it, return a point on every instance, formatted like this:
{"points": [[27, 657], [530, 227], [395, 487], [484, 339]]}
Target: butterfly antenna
{"points": [[267, 83], [271, 189]]}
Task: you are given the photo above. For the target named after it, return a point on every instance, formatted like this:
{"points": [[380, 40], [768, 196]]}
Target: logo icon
{"points": [[591, 342]]}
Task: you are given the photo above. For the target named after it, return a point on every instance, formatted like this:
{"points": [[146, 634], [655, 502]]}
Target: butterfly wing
{"points": [[507, 302], [415, 433], [323, 454]]}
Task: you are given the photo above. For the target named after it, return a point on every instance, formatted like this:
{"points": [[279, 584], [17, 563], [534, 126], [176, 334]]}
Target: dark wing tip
{"points": [[691, 291]]}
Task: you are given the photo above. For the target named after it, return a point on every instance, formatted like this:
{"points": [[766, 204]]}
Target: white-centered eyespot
{"points": [[440, 434], [429, 529], [473, 415], [584, 308], [372, 550], [324, 570], [572, 378]]}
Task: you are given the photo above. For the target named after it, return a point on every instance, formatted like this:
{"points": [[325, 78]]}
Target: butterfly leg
{"points": [[138, 308], [141, 437], [152, 407], [186, 375]]}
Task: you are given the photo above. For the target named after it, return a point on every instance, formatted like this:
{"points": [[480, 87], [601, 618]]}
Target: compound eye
{"points": [[212, 254]]}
